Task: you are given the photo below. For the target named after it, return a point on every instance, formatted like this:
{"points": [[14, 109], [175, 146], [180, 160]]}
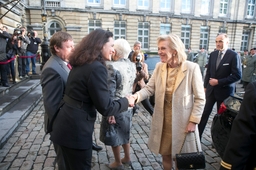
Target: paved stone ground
{"points": [[29, 147]]}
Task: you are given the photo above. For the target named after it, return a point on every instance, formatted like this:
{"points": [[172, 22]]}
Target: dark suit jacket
{"points": [[53, 80], [227, 73], [241, 148], [87, 90]]}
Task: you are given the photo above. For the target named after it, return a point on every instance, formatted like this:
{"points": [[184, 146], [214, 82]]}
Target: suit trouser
{"points": [[3, 72], [59, 157], [21, 66], [77, 159], [210, 101]]}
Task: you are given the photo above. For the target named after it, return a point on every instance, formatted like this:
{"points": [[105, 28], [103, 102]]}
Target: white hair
{"points": [[122, 48]]}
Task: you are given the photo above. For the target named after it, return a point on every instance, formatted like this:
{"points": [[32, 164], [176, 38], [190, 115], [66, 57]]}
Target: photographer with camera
{"points": [[3, 69], [32, 49], [23, 42], [142, 77], [137, 47]]}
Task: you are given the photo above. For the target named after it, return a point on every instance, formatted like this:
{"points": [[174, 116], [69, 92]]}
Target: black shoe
{"points": [[96, 147], [35, 74], [5, 84]]}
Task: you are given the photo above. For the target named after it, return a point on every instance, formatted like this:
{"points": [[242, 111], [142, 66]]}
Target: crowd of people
{"points": [[101, 76], [104, 76], [21, 46]]}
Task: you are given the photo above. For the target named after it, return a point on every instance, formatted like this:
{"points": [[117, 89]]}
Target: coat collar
{"points": [[62, 63], [181, 75]]}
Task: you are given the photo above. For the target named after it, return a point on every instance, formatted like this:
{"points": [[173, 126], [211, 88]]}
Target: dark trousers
{"points": [[245, 84], [22, 66], [210, 101], [12, 69], [3, 72], [147, 105], [59, 157], [77, 159]]}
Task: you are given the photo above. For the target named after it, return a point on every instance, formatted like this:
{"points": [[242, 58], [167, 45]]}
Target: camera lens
{"points": [[138, 58]]}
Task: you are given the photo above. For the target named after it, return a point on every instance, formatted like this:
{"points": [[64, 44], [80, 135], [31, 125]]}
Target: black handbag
{"points": [[193, 160]]}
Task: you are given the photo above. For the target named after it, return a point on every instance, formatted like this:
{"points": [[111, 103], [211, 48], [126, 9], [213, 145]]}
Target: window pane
{"points": [[116, 31], [120, 29], [204, 31], [143, 34], [123, 24]]}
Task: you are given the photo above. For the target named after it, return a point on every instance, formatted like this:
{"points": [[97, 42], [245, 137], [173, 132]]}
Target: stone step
{"points": [[5, 90], [8, 100], [24, 104]]}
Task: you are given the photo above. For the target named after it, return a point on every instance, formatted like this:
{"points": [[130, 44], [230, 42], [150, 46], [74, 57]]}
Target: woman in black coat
{"points": [[86, 91]]}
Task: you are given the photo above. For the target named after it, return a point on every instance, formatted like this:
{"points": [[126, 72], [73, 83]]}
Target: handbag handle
{"points": [[185, 140]]}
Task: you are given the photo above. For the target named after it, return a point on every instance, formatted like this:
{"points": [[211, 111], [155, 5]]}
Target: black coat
{"points": [[241, 148], [3, 42], [87, 90]]}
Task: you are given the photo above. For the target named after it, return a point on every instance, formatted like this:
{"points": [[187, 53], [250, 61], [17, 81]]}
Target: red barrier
{"points": [[8, 61], [28, 56]]}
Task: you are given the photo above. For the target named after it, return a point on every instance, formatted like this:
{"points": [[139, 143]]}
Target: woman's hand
{"points": [[131, 100], [191, 127], [111, 120]]}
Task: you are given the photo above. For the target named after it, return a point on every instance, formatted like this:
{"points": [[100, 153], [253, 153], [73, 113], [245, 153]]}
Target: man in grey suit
{"points": [[53, 81]]}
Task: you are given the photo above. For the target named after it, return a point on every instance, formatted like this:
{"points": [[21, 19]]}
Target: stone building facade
{"points": [[197, 22]]}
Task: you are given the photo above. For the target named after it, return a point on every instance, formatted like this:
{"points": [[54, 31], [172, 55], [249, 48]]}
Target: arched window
{"points": [[53, 27]]}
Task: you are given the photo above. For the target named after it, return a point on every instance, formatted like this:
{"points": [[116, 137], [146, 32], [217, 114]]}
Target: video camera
{"points": [[17, 31], [138, 63]]}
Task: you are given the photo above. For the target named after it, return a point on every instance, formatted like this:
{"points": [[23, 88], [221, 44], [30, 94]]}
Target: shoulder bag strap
{"points": [[185, 140]]}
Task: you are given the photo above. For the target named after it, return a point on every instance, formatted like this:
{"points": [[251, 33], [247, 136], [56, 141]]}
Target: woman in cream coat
{"points": [[178, 88]]}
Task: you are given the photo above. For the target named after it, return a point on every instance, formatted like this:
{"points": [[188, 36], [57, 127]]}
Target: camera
{"points": [[31, 34], [20, 37], [17, 31], [138, 63]]}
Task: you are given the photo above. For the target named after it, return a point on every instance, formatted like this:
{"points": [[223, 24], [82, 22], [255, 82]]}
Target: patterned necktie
{"points": [[69, 66], [218, 59]]}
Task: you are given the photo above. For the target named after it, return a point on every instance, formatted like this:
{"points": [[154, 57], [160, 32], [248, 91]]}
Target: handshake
{"points": [[131, 99]]}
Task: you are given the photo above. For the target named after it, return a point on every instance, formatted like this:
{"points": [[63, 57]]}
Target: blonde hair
{"points": [[176, 44], [122, 48]]}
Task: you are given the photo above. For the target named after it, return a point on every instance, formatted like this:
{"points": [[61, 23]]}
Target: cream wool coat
{"points": [[187, 105]]}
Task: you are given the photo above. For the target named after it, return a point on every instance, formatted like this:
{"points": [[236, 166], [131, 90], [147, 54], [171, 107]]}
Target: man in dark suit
{"points": [[240, 150], [224, 69]]}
